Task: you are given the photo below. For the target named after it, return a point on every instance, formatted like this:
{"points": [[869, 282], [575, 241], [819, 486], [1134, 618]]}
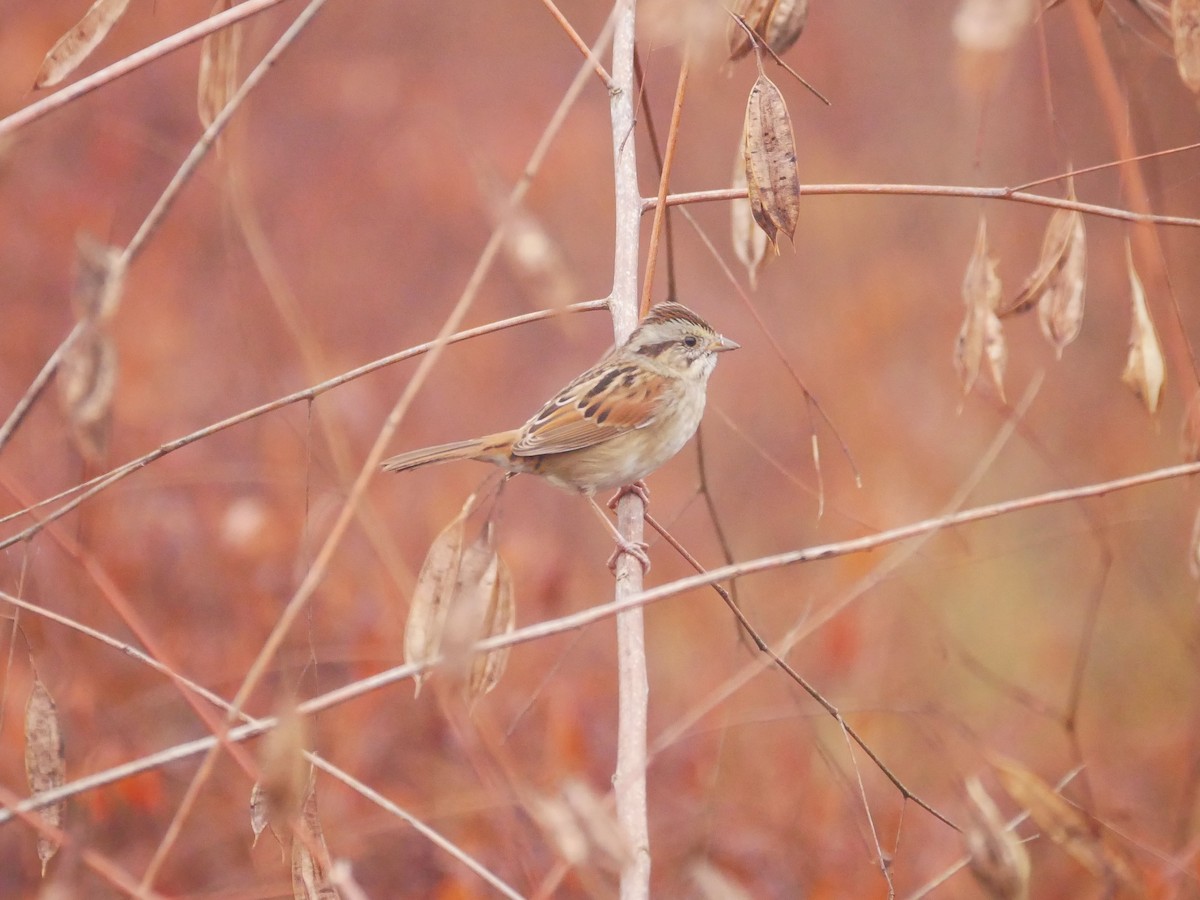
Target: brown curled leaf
{"points": [[218, 80], [998, 858], [1145, 369], [1185, 33], [981, 336], [45, 761], [769, 150], [426, 622], [77, 44]]}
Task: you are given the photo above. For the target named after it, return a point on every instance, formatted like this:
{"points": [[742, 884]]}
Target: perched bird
{"points": [[614, 424]]}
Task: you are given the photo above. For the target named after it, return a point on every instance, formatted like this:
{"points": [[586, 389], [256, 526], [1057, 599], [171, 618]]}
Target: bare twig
{"points": [[89, 489], [629, 778], [943, 190], [220, 702], [134, 61]]}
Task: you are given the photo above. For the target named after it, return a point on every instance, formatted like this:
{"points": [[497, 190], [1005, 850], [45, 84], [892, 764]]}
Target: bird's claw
{"points": [[636, 549], [638, 487]]}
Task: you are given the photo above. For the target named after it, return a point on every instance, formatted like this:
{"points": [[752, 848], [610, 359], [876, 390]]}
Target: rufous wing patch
{"points": [[592, 410]]}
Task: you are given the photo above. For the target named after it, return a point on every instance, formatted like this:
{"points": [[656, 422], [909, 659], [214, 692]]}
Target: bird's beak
{"points": [[721, 344]]}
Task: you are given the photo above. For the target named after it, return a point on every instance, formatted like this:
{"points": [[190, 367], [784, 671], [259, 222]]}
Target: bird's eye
{"points": [[690, 341]]}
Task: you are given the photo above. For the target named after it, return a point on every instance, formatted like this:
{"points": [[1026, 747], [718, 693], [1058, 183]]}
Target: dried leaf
{"points": [[769, 149], [87, 377], [310, 855], [218, 80], [1189, 438], [1185, 29], [755, 13], [500, 617], [285, 772], [75, 46], [99, 279], [431, 597], [1060, 821], [1145, 370], [991, 25], [45, 761], [981, 335], [998, 857], [784, 24], [713, 883], [749, 241]]}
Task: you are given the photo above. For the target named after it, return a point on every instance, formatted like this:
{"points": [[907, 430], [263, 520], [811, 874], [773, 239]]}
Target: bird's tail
{"points": [[488, 449]]}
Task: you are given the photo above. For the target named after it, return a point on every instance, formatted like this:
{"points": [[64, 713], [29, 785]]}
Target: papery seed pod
{"points": [[1185, 33], [1061, 822], [981, 336], [749, 241], [998, 858], [45, 761], [78, 43], [1145, 369], [769, 150], [218, 81], [87, 378], [426, 622]]}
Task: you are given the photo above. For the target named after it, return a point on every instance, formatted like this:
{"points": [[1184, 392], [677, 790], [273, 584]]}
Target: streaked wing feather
{"points": [[596, 407]]}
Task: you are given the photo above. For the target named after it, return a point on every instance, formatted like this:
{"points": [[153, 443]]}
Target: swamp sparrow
{"points": [[614, 424]]}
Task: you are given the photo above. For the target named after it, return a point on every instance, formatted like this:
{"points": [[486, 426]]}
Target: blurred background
{"points": [[340, 223]]}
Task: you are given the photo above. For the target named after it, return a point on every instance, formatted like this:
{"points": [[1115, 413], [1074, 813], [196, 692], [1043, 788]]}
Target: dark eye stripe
{"points": [[655, 349]]}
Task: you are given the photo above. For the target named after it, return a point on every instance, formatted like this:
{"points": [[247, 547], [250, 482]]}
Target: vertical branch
{"points": [[629, 779]]}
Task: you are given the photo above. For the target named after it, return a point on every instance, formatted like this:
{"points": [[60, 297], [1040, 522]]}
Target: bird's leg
{"points": [[636, 549], [638, 487]]}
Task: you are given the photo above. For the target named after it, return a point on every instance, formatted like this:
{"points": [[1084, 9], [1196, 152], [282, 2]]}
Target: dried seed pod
{"points": [[45, 761], [1185, 32], [991, 25], [218, 80], [998, 858], [99, 279], [426, 622], [285, 772], [310, 854], [754, 13], [981, 335], [258, 811], [784, 24], [1061, 822], [749, 241], [77, 44], [87, 378], [499, 617], [1058, 281], [769, 150], [1145, 370], [1189, 437]]}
